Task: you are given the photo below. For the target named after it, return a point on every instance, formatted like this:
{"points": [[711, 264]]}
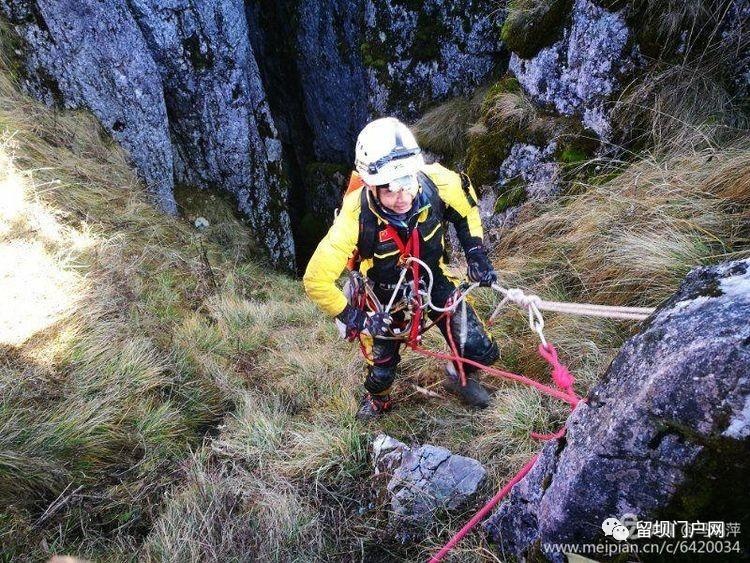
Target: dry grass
{"points": [[630, 240], [678, 108], [688, 30], [443, 129]]}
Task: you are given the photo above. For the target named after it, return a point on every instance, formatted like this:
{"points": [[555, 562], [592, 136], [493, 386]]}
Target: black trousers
{"points": [[478, 346]]}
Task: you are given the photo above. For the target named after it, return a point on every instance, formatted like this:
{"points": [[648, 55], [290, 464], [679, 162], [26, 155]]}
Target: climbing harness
{"points": [[418, 301]]}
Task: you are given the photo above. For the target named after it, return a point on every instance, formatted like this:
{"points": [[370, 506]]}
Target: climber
{"points": [[400, 193]]}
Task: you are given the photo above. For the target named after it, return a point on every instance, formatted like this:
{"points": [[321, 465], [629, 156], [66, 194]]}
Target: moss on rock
{"points": [[532, 25], [373, 57], [508, 117], [513, 194], [487, 150], [506, 85], [491, 139]]}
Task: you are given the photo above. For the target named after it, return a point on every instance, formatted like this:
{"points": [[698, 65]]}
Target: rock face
{"points": [[184, 86], [362, 59], [424, 482], [417, 53], [579, 73], [223, 133], [665, 435], [92, 55], [177, 84], [534, 167]]}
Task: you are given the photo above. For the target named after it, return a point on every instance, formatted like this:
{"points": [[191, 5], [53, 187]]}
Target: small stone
{"points": [[201, 223], [423, 482]]}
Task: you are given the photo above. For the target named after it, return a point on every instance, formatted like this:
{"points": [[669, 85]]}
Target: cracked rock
{"points": [[665, 434], [422, 482]]}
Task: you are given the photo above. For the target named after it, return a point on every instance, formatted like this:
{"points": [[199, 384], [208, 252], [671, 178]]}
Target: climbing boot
{"points": [[472, 394], [373, 406]]}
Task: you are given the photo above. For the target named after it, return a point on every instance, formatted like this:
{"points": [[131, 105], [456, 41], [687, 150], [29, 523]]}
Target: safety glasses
{"points": [[408, 184]]}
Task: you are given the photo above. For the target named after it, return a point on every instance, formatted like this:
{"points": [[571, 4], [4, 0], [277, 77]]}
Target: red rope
{"points": [[406, 250], [546, 437], [484, 511], [560, 375], [572, 399]]}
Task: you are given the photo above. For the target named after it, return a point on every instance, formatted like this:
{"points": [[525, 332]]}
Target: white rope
{"points": [[606, 311], [532, 303]]}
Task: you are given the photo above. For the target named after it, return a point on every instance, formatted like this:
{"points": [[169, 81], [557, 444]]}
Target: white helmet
{"points": [[387, 151]]}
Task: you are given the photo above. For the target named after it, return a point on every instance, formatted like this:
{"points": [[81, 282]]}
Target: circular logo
{"points": [[609, 524]]}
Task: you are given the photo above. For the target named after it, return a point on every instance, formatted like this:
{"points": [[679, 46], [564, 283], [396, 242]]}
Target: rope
{"points": [[572, 400], [533, 303], [561, 376], [484, 510], [607, 311], [547, 437]]}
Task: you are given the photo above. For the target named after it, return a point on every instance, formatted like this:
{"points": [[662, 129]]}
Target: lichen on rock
{"points": [[664, 435], [578, 74], [531, 167], [420, 53]]}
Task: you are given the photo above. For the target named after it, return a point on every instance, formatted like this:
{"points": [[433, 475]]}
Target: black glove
{"points": [[480, 268], [357, 321]]}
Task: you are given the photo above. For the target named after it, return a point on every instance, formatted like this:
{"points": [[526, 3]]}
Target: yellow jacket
{"points": [[331, 256]]}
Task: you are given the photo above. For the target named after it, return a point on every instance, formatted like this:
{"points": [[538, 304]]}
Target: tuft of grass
{"points": [[444, 128], [683, 31], [678, 108]]}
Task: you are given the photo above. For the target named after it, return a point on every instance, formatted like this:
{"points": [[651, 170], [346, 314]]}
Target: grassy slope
{"points": [[165, 395]]}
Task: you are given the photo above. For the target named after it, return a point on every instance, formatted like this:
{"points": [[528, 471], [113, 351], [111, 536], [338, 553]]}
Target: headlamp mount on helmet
{"points": [[374, 167]]}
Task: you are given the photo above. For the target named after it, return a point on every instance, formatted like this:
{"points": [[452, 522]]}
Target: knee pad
{"points": [[379, 379], [482, 349]]}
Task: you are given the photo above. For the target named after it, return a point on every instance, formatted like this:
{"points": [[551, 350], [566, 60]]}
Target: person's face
{"points": [[398, 202], [400, 197]]}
